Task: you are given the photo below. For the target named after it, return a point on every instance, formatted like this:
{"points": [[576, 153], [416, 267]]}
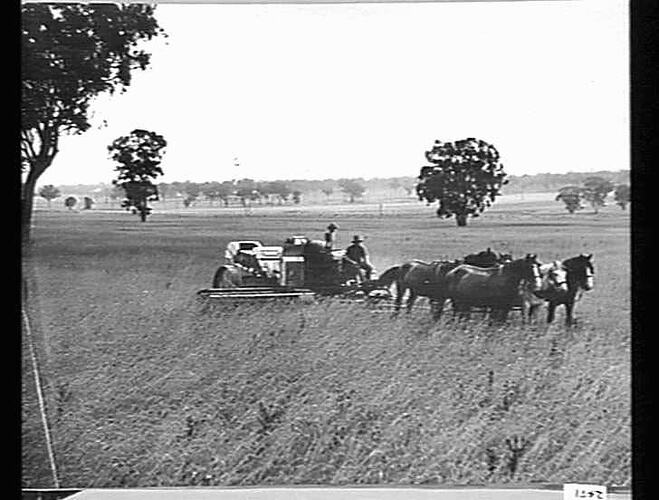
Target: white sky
{"points": [[363, 90]]}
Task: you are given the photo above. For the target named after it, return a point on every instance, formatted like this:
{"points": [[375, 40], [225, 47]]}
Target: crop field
{"points": [[147, 386]]}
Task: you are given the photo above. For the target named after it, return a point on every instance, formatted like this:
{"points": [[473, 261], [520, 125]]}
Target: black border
{"points": [[644, 27]]}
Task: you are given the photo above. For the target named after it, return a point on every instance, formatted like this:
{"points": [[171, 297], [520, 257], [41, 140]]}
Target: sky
{"points": [[318, 91]]}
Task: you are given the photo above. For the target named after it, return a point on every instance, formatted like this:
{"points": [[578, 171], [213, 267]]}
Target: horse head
{"points": [[580, 271], [505, 258], [557, 276], [531, 271]]}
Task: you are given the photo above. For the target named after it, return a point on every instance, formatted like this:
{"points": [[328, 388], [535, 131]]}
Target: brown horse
{"points": [[419, 279], [494, 288], [580, 274]]}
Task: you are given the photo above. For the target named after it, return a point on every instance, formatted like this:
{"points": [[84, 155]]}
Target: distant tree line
{"points": [[547, 183], [594, 190], [249, 191]]}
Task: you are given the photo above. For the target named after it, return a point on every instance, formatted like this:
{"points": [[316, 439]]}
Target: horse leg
{"points": [[569, 319], [551, 311], [436, 308], [400, 291], [532, 312], [410, 300]]}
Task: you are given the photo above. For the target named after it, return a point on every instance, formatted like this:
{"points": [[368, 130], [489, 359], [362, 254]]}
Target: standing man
{"points": [[330, 236], [357, 254]]}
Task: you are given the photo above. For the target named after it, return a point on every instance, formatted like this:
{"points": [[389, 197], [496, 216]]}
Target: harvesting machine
{"points": [[299, 268]]}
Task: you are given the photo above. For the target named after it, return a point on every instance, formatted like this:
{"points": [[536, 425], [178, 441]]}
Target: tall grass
{"points": [[147, 386]]}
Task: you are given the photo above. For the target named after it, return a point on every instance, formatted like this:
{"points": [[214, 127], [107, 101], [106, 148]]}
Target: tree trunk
{"points": [[27, 199], [38, 165], [461, 219]]}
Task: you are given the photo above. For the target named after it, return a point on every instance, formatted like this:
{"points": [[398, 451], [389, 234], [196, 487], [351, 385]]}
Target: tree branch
{"points": [[26, 143]]}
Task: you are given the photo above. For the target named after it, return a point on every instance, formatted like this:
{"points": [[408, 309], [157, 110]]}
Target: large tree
{"points": [[70, 54], [595, 191], [464, 177], [138, 156]]}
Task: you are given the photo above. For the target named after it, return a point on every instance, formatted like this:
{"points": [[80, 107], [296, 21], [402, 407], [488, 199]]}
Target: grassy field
{"points": [[146, 386]]}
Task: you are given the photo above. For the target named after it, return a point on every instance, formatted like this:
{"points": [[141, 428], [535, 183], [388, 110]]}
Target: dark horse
{"points": [[494, 288], [486, 258], [421, 279], [580, 274]]}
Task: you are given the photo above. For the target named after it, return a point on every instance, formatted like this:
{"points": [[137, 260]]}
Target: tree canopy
{"points": [[622, 195], [353, 188], [70, 202], [70, 53], [595, 191], [464, 177], [572, 197], [49, 192], [138, 156]]}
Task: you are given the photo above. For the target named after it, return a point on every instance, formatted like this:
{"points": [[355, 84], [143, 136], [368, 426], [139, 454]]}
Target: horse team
{"points": [[494, 283]]}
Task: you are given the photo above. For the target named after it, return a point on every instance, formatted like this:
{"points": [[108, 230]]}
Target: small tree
{"points": [[139, 155], [571, 196], [87, 203], [465, 178], [49, 193], [622, 195], [297, 197], [192, 191], [595, 191], [352, 188], [327, 192], [70, 202]]}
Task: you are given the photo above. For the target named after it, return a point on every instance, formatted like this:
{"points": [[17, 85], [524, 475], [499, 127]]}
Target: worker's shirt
{"points": [[357, 253]]}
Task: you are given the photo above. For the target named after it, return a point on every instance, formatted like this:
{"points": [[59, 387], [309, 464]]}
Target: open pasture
{"points": [[145, 386]]}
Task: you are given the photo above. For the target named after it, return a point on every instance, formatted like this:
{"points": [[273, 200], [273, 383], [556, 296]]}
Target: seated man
{"points": [[357, 255]]}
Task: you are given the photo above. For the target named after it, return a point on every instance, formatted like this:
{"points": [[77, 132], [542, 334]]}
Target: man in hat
{"points": [[330, 236], [357, 255]]}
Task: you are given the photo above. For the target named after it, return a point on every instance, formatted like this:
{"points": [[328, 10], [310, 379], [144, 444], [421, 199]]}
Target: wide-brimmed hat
{"points": [[357, 239], [332, 226]]}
